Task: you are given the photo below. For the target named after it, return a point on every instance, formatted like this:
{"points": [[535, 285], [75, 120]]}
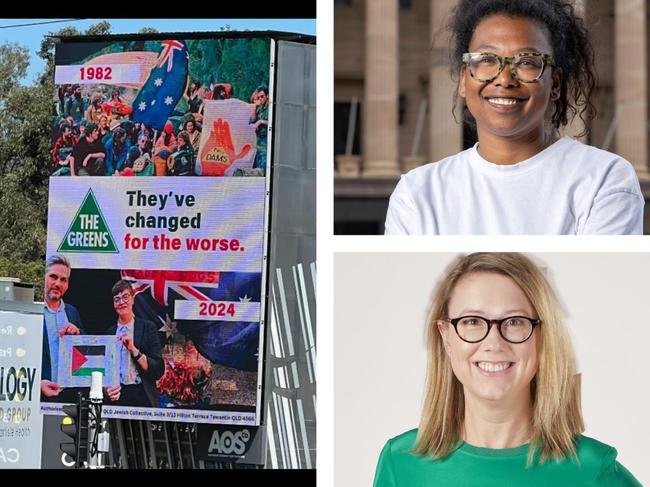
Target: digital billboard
{"points": [[157, 218]]}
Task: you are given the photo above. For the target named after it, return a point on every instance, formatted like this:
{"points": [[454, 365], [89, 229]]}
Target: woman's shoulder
{"points": [[395, 460], [592, 452], [610, 172], [586, 445], [404, 442], [400, 448], [430, 176], [578, 151], [599, 459], [591, 444], [144, 322]]}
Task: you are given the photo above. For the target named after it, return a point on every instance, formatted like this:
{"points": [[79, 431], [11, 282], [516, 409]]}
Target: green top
{"points": [[472, 466]]}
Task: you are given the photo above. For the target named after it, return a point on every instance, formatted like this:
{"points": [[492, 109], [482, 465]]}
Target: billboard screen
{"points": [[165, 289]]}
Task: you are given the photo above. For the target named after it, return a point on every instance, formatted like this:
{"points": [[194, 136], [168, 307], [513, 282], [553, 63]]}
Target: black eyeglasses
{"points": [[123, 298], [527, 67], [513, 329]]}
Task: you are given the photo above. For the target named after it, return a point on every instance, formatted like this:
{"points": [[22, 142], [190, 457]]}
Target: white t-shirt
{"points": [[568, 188]]}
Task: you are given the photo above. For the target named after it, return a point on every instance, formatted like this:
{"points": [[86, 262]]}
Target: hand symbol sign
{"points": [[219, 152]]}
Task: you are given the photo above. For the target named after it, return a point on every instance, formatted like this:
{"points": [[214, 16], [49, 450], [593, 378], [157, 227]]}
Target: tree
{"points": [[24, 144], [25, 123], [14, 61]]}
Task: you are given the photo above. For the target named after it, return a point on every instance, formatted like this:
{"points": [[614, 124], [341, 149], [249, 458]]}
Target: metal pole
{"points": [[178, 446], [168, 446], [152, 445], [133, 443], [143, 442], [189, 437], [121, 439]]}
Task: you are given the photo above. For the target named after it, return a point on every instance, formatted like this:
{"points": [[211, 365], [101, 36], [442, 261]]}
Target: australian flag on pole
{"points": [[230, 343], [163, 89]]}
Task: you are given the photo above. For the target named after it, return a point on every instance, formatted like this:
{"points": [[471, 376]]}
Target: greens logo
{"points": [[88, 231]]}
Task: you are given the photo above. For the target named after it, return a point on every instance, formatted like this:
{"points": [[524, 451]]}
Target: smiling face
{"points": [[506, 107], [493, 369]]}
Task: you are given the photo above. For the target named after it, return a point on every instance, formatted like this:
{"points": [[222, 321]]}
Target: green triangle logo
{"points": [[88, 231]]}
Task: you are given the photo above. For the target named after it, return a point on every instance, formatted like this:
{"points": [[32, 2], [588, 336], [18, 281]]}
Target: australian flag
{"points": [[163, 89], [230, 343]]}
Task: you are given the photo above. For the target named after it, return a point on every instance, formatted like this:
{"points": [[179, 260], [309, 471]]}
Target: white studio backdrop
{"points": [[381, 302]]}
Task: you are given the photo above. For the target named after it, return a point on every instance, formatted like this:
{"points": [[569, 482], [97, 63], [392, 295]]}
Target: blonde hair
{"points": [[555, 389]]}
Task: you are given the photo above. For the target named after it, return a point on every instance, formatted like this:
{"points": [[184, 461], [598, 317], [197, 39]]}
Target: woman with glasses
{"points": [[140, 360], [525, 70], [502, 404]]}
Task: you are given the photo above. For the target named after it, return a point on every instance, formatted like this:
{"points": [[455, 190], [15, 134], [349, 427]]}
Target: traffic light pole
{"points": [[75, 425]]}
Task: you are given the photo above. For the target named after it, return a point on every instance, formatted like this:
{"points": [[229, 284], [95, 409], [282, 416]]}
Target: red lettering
{"points": [[216, 309], [214, 244]]}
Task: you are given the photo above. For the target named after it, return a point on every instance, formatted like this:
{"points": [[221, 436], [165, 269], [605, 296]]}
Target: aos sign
{"points": [[235, 444]]}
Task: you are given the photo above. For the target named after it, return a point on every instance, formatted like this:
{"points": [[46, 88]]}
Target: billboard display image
{"points": [[166, 274], [168, 107]]}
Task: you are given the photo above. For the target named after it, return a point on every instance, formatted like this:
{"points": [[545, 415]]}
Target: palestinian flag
{"points": [[87, 359]]}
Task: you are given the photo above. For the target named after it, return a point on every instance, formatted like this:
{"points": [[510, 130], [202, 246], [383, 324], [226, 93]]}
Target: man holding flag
{"points": [[59, 319]]}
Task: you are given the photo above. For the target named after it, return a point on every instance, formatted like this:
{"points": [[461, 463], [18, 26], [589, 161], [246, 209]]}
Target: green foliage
{"points": [[14, 60], [244, 63], [100, 29], [25, 140], [24, 144], [31, 272]]}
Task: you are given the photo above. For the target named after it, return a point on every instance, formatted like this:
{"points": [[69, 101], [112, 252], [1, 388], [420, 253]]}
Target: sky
{"points": [[31, 36]]}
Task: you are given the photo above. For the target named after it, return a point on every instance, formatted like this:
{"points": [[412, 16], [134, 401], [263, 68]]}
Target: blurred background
{"points": [[393, 97]]}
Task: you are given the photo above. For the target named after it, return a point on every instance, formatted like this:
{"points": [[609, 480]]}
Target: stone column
{"points": [[446, 136], [631, 81], [381, 89], [577, 126], [600, 22]]}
